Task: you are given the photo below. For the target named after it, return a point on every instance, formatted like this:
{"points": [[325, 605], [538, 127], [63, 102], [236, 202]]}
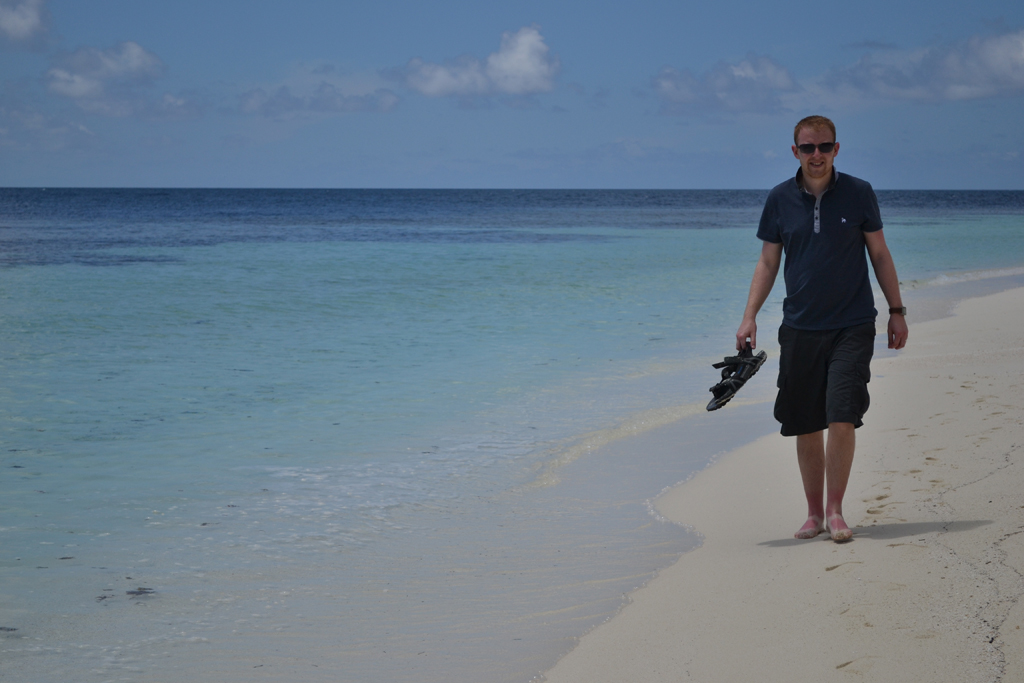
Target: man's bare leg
{"points": [[821, 465], [810, 453], [838, 463]]}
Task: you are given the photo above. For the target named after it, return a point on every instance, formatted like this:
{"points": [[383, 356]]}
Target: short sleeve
{"points": [[768, 230], [872, 216]]}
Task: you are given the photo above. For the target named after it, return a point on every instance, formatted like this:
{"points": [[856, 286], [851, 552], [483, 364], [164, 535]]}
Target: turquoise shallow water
{"points": [[329, 424]]}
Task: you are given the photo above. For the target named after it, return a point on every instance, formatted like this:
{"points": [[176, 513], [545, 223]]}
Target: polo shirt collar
{"points": [[800, 179]]}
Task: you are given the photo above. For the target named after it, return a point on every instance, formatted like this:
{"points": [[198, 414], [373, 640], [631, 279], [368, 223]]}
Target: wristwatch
{"points": [[902, 310]]}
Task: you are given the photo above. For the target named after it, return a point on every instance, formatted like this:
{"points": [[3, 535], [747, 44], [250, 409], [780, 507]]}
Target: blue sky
{"points": [[553, 94]]}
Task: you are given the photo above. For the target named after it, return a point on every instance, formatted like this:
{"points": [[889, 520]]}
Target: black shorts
{"points": [[823, 377]]}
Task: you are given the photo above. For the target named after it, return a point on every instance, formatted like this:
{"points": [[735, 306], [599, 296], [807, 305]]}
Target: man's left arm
{"points": [[885, 272]]}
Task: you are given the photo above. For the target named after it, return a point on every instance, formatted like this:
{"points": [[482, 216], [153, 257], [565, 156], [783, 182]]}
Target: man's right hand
{"points": [[748, 329]]}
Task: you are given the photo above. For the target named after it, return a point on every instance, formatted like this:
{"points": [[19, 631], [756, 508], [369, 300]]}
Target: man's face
{"points": [[815, 165]]}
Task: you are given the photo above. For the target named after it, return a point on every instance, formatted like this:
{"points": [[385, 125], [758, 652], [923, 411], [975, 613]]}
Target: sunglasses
{"points": [[824, 148]]}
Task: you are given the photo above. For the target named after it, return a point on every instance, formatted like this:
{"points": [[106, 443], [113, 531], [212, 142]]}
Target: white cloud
{"points": [[322, 89], [464, 76], [980, 67], [106, 81], [521, 66], [115, 82], [21, 20], [754, 84], [327, 98], [983, 66]]}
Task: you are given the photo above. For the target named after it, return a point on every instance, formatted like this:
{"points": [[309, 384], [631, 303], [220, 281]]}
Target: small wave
{"points": [[636, 424], [973, 276]]}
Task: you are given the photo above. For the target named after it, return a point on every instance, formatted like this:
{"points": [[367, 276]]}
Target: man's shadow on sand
{"points": [[889, 532]]}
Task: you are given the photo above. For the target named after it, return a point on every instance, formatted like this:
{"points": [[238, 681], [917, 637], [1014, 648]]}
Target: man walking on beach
{"points": [[823, 220]]}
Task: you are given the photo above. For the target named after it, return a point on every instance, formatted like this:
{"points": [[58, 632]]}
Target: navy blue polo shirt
{"points": [[826, 268]]}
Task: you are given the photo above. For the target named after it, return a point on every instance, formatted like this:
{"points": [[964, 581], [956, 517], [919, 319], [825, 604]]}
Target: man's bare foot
{"points": [[811, 528], [838, 529]]}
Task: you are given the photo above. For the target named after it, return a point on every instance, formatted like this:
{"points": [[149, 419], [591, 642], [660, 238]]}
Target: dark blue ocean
{"points": [[362, 435]]}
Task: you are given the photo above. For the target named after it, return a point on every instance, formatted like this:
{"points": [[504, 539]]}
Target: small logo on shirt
{"points": [[844, 220]]}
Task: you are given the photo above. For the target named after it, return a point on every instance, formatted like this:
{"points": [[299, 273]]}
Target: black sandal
{"points": [[736, 370]]}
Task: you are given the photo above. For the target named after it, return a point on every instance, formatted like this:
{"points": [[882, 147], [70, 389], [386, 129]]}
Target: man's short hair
{"points": [[815, 123]]}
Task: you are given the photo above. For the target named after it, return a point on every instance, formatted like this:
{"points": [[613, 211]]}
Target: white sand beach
{"points": [[928, 589]]}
